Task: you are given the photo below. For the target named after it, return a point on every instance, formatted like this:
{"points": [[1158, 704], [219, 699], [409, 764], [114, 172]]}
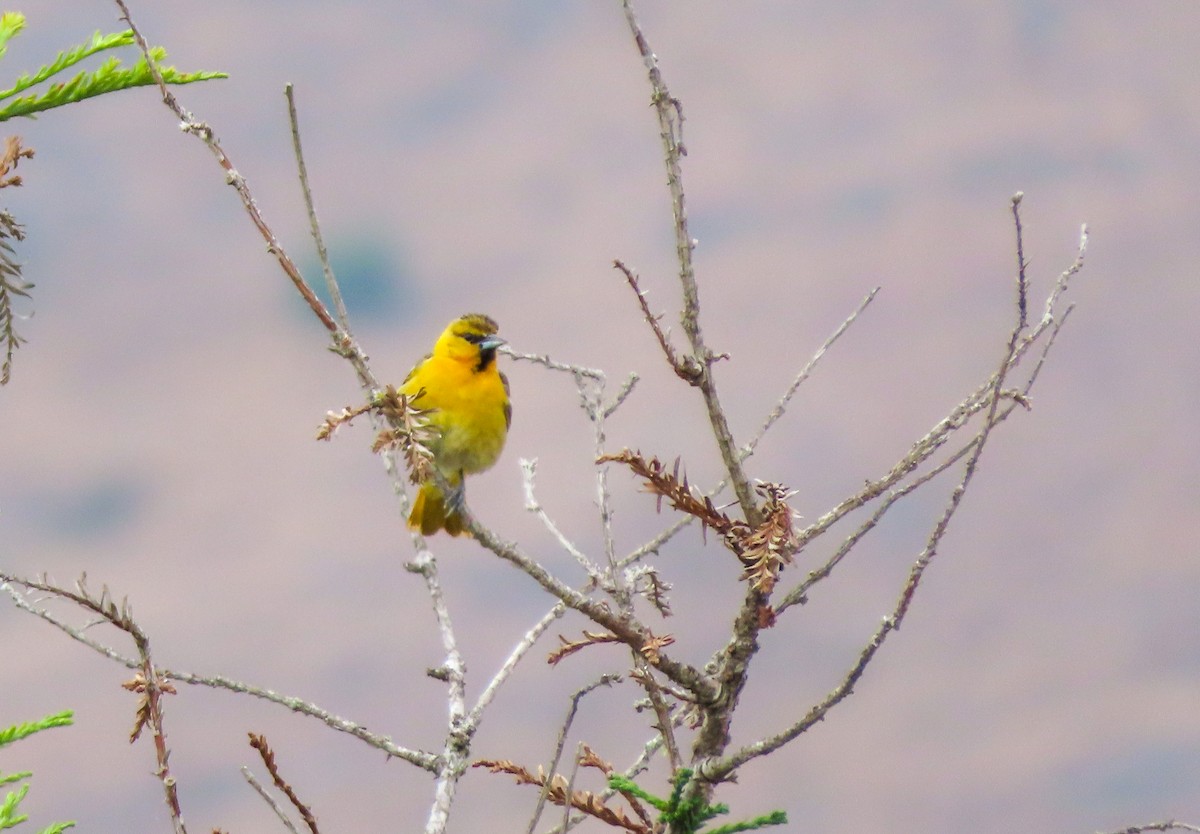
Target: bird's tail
{"points": [[429, 512]]}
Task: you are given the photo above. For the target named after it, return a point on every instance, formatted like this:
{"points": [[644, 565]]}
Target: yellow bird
{"points": [[466, 397]]}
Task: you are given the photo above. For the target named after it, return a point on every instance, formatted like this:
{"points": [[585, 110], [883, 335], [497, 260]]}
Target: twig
{"points": [[270, 800], [592, 400], [546, 361], [561, 742], [259, 743], [804, 374], [570, 787], [685, 368], [335, 292], [453, 667], [659, 541], [7, 583], [624, 392], [590, 384], [528, 471], [420, 758], [1022, 284], [662, 712], [1060, 286], [519, 651]]}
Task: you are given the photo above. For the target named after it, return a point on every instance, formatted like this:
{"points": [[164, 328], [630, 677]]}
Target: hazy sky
{"points": [[497, 157]]}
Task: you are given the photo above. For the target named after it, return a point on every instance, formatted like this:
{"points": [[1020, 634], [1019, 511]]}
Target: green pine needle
{"points": [[10, 814], [69, 58], [688, 816], [628, 786], [57, 828], [773, 818], [108, 77], [20, 731], [11, 23], [8, 809]]}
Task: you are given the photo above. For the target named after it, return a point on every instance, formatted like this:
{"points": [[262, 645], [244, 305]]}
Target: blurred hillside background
{"points": [[496, 157]]}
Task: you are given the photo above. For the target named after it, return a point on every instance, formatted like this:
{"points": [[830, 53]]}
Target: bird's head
{"points": [[470, 338]]}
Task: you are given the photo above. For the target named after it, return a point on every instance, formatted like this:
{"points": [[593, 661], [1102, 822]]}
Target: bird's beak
{"points": [[492, 342]]}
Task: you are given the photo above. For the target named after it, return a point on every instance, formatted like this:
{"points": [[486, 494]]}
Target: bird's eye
{"points": [[473, 338]]}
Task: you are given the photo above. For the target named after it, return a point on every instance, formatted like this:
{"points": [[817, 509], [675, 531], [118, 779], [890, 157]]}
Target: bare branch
{"points": [[150, 682], [453, 667], [717, 768], [670, 122], [189, 124], [592, 400], [424, 760], [1019, 398], [459, 730], [975, 402], [632, 632]]}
